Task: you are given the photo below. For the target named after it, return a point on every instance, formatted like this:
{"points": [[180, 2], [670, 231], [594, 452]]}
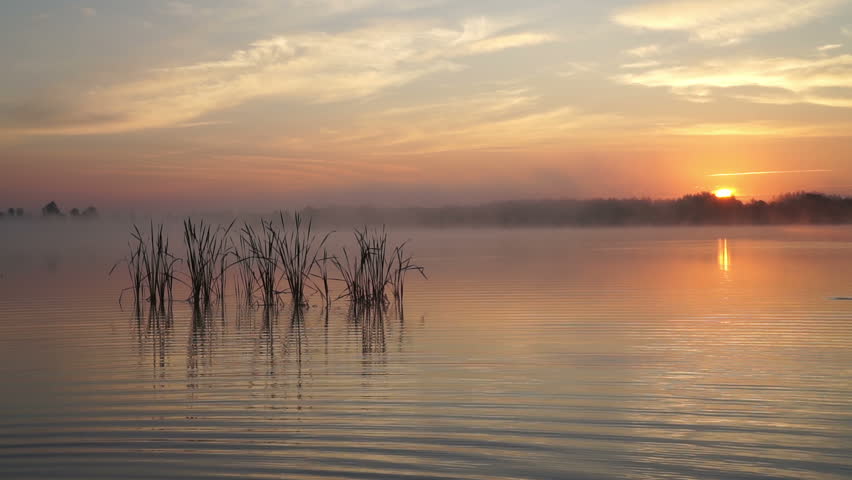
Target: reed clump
{"points": [[298, 248], [264, 257], [374, 268], [151, 267], [207, 252], [160, 268], [259, 260]]}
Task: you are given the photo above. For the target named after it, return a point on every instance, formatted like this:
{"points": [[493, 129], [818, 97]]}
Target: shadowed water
{"points": [[542, 354]]}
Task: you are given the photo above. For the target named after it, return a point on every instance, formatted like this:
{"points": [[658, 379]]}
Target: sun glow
{"points": [[724, 193]]}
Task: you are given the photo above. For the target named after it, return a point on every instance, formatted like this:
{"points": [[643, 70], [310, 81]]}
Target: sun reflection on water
{"points": [[723, 255]]}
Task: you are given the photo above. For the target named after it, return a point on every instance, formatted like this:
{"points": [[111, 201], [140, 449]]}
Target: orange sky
{"points": [[255, 104]]}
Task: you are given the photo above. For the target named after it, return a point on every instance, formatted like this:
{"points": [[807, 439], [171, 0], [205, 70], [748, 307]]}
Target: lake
{"points": [[646, 353]]}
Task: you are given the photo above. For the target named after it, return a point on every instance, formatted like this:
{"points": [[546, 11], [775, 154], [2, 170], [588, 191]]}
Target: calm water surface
{"points": [[710, 353]]}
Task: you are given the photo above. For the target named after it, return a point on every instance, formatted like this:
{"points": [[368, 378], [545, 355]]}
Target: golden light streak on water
{"points": [[723, 255]]}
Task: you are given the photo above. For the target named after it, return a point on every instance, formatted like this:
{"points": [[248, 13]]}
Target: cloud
{"points": [[236, 10], [782, 80], [757, 129], [570, 69], [644, 51], [335, 7], [309, 67], [180, 9], [643, 64], [767, 172], [833, 46], [723, 21], [509, 41], [88, 12], [503, 119]]}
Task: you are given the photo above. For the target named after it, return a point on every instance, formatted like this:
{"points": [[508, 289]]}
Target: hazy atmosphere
{"points": [[259, 104], [426, 239]]}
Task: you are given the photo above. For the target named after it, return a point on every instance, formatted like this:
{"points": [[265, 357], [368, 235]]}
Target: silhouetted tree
{"points": [[19, 212], [51, 210], [75, 212], [90, 212], [11, 212]]}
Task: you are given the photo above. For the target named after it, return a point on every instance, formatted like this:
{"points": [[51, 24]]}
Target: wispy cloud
{"points": [[310, 67], [783, 80], [644, 64], [723, 21], [232, 10], [503, 42], [505, 119], [644, 51], [757, 129], [768, 172], [181, 9], [570, 69], [833, 46]]}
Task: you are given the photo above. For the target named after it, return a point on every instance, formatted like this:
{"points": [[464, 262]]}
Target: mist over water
{"points": [[637, 353]]}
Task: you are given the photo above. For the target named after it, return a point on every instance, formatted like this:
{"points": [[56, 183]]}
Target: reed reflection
{"points": [[153, 331], [370, 324], [199, 354], [267, 336], [276, 357], [400, 315], [296, 348], [260, 326]]}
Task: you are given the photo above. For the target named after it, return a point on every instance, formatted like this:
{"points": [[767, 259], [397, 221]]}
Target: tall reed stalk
{"points": [[133, 262], [404, 264], [245, 284], [321, 278]]}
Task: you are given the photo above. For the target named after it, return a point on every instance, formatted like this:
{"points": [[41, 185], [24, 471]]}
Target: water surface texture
{"points": [[528, 354]]}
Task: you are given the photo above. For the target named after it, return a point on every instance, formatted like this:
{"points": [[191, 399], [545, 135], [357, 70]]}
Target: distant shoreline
{"points": [[703, 209]]}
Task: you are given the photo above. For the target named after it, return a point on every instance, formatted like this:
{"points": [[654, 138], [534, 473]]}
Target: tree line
{"points": [[694, 209], [53, 210]]}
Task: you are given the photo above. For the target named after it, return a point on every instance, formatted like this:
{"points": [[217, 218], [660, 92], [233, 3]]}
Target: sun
{"points": [[724, 193]]}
